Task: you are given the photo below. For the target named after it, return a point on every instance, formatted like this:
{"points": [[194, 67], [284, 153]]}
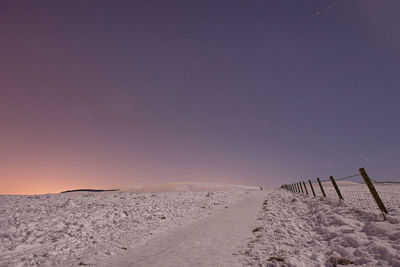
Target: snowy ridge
{"points": [[188, 186]]}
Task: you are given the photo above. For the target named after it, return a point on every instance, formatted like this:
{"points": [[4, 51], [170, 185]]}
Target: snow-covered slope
{"points": [[298, 230], [62, 229], [290, 230], [189, 186]]}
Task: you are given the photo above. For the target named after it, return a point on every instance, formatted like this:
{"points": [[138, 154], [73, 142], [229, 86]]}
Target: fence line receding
{"points": [[370, 194]]}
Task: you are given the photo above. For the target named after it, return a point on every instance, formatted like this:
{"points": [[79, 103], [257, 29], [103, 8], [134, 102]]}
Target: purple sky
{"points": [[116, 93]]}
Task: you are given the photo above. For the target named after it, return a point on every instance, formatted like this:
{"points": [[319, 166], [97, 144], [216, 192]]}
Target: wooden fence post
{"points": [[373, 191], [298, 188], [301, 187], [305, 187], [312, 188], [320, 186], [336, 187]]}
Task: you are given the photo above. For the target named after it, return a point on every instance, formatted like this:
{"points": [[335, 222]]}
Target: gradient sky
{"points": [[104, 94]]}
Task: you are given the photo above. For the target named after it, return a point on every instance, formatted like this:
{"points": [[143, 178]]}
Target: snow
{"points": [[311, 231], [183, 224], [211, 241], [358, 195], [189, 186], [61, 229]]}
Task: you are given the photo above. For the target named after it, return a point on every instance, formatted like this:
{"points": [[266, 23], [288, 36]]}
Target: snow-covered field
{"points": [[186, 224], [298, 230], [63, 229]]}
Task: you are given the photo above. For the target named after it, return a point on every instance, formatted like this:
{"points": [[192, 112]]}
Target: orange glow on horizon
{"points": [[23, 185]]}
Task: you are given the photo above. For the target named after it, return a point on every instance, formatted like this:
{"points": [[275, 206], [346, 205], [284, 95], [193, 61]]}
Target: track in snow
{"points": [[211, 241]]}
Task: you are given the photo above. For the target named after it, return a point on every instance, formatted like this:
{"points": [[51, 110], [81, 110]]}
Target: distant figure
{"points": [[261, 188]]}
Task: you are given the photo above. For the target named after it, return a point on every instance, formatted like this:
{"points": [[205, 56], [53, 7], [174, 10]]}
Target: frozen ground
{"points": [[211, 241], [235, 226], [358, 195], [63, 229], [297, 230], [188, 186]]}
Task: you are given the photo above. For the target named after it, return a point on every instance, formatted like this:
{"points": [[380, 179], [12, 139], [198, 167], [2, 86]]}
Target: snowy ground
{"points": [[210, 241], [238, 226], [298, 230], [358, 195], [62, 229]]}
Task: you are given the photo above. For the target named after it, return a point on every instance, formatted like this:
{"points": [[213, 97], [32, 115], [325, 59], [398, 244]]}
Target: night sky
{"points": [[107, 94]]}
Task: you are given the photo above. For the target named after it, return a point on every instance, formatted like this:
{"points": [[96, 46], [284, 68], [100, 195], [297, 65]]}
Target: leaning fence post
{"points": [[298, 188], [305, 187], [373, 191], [320, 186], [301, 187], [312, 188], [336, 187]]}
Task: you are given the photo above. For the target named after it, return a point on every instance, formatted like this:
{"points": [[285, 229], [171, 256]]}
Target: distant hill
{"points": [[89, 190], [189, 186]]}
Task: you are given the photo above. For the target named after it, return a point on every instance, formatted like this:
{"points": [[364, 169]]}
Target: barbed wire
{"points": [[387, 181], [348, 177], [359, 198], [384, 182], [336, 179]]}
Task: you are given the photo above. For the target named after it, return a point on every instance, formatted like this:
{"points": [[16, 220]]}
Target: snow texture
{"points": [[62, 229], [241, 225], [211, 241], [298, 230]]}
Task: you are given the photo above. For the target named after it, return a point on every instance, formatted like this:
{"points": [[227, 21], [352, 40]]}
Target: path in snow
{"points": [[212, 241]]}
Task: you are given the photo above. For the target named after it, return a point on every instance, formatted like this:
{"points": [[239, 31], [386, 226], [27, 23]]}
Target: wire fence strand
{"points": [[357, 194]]}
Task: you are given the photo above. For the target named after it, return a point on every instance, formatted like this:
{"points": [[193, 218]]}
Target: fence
{"points": [[381, 197]]}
